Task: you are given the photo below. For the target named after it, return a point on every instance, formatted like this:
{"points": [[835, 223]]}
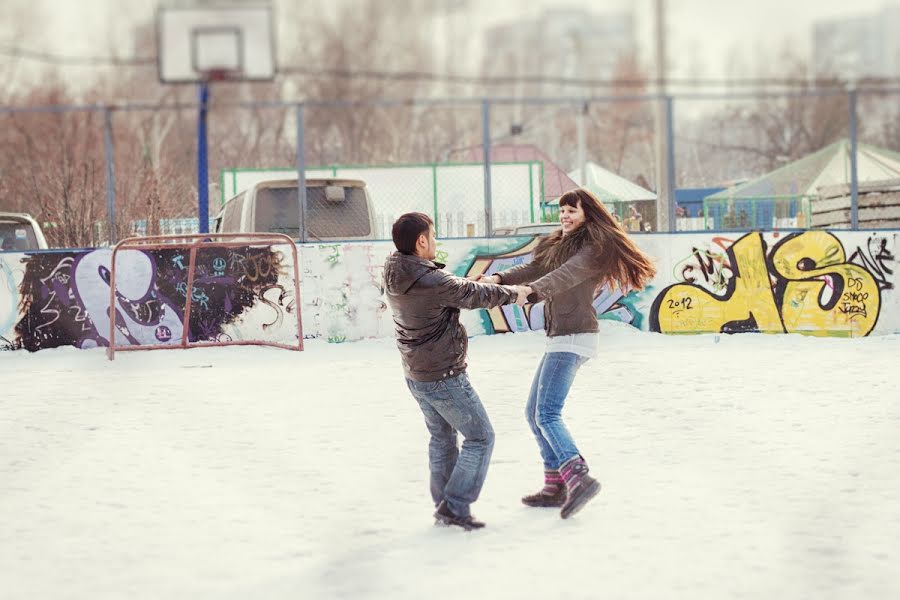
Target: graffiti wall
{"points": [[812, 282], [55, 299], [815, 283]]}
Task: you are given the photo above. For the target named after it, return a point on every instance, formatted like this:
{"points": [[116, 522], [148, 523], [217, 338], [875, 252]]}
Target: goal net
{"points": [[209, 289]]}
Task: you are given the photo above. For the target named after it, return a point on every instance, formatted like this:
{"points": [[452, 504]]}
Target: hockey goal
{"points": [[209, 289]]}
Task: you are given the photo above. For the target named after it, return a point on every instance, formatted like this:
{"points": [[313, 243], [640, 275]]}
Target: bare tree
{"points": [[751, 137], [623, 131], [53, 167], [344, 55]]}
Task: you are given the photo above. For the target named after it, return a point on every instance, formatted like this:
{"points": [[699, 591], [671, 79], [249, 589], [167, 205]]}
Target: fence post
{"points": [[486, 145], [434, 196], [582, 144], [202, 162], [854, 183], [670, 163], [110, 177], [301, 172]]}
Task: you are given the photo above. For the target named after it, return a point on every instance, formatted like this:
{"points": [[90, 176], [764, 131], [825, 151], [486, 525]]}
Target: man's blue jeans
{"points": [[451, 405], [543, 411]]}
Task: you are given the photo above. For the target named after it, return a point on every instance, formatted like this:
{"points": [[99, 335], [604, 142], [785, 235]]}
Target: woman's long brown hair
{"points": [[621, 262]]}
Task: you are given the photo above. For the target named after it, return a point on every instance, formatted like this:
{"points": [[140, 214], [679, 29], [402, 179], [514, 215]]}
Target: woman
{"points": [[589, 251]]}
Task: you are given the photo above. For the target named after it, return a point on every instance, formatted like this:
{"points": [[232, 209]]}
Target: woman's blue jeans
{"points": [[549, 389]]}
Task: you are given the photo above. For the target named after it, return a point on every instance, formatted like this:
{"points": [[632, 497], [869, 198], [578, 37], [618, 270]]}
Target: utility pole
{"points": [[582, 145], [448, 12], [664, 170]]}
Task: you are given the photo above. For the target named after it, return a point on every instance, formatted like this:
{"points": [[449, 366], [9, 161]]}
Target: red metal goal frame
{"points": [[193, 242]]}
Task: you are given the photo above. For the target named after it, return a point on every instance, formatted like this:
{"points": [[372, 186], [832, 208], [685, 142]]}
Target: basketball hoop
{"points": [[209, 44], [221, 43]]}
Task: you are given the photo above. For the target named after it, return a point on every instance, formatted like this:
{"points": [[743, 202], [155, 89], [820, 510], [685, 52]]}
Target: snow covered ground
{"points": [[750, 466]]}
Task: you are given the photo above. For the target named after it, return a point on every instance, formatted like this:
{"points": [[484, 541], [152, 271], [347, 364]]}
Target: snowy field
{"points": [[750, 466]]}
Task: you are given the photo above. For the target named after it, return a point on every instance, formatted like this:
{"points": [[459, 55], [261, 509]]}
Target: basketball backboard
{"points": [[204, 43]]}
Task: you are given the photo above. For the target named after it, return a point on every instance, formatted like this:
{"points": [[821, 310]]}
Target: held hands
{"points": [[485, 278], [522, 293]]}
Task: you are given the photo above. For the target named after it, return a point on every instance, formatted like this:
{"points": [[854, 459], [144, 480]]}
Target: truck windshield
{"points": [[17, 236], [276, 212]]}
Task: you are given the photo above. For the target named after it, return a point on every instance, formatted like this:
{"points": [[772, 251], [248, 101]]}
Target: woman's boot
{"points": [[553, 492], [581, 487]]}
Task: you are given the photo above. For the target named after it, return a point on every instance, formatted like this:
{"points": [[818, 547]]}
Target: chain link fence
{"points": [[92, 175]]}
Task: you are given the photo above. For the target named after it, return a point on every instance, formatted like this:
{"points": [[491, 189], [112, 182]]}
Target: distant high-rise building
{"points": [[864, 46], [569, 43]]}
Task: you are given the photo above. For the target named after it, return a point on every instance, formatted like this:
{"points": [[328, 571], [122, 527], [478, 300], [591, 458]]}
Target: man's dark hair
{"points": [[408, 228]]}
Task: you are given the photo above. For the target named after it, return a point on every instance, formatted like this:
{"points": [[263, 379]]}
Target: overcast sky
{"points": [[703, 34]]}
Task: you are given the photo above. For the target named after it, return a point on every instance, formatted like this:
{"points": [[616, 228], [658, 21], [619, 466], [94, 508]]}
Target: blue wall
{"points": [[692, 199]]}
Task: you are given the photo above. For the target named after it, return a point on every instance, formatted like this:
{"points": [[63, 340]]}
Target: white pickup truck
{"points": [[19, 231], [336, 209]]}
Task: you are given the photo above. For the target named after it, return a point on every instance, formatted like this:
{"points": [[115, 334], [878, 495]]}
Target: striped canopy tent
{"points": [[619, 194], [608, 186]]}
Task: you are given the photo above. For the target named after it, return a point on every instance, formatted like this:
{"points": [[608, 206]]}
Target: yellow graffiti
{"points": [[821, 293], [687, 308], [829, 296]]}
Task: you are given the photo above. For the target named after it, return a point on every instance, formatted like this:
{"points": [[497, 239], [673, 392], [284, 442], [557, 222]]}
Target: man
{"points": [[425, 301]]}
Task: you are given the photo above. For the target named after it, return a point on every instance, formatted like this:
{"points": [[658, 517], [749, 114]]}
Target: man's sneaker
{"points": [[546, 498], [443, 516], [581, 486]]}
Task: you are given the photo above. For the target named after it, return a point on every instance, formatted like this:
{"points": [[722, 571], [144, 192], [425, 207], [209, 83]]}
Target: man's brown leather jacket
{"points": [[426, 300]]}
